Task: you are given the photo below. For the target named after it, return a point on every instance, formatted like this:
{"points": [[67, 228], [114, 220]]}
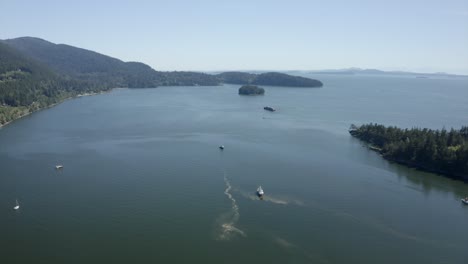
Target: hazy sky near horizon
{"points": [[204, 35]]}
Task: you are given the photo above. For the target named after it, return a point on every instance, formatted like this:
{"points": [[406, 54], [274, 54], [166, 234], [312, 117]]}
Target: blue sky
{"points": [[412, 35]]}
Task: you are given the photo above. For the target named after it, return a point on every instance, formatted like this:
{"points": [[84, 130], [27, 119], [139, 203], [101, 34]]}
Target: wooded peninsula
{"points": [[439, 151]]}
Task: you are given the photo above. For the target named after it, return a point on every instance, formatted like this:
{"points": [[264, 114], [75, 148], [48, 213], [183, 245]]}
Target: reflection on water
{"points": [[421, 181], [427, 182]]}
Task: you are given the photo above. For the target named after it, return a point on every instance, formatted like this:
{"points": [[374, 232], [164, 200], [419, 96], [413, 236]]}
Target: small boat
{"points": [[465, 201], [17, 205], [58, 167], [269, 108], [260, 192], [221, 147]]}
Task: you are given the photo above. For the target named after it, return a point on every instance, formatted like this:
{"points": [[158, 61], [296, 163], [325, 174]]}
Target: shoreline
{"points": [[55, 104]]}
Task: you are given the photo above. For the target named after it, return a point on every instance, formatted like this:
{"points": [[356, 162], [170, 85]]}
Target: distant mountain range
{"points": [[35, 73], [351, 71]]}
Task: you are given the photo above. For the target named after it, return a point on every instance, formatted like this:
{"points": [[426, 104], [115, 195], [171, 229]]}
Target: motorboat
{"points": [[221, 147], [465, 201], [58, 167], [260, 192], [17, 205], [269, 108]]}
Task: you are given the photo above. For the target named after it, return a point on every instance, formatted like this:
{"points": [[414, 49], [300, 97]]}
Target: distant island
{"points": [[269, 78], [251, 90], [36, 74], [439, 151]]}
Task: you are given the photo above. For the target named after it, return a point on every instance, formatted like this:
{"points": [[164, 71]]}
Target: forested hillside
{"points": [[26, 85], [91, 66], [35, 73]]}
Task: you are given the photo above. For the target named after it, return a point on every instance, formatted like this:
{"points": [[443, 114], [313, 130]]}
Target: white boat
{"points": [[221, 147], [17, 205], [465, 201], [58, 167], [260, 192]]}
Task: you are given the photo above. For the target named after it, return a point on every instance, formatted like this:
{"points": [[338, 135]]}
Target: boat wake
{"points": [[283, 243], [275, 200], [272, 199], [228, 220]]}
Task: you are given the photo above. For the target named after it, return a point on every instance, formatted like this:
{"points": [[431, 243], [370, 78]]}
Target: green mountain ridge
{"points": [[92, 66], [35, 73]]}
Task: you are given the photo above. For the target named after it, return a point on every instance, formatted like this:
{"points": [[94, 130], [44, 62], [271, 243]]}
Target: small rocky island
{"points": [[251, 90]]}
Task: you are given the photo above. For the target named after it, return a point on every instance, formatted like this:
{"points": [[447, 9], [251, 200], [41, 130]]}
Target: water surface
{"points": [[144, 180]]}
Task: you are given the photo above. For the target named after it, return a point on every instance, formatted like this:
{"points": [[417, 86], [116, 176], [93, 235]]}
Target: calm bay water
{"points": [[145, 182]]}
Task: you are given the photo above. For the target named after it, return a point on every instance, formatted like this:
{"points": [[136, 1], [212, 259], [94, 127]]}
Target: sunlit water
{"points": [[145, 182]]}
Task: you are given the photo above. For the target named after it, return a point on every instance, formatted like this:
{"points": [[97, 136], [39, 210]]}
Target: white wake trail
{"points": [[272, 199], [229, 219]]}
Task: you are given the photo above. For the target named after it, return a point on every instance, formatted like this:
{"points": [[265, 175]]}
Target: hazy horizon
{"points": [[421, 36]]}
